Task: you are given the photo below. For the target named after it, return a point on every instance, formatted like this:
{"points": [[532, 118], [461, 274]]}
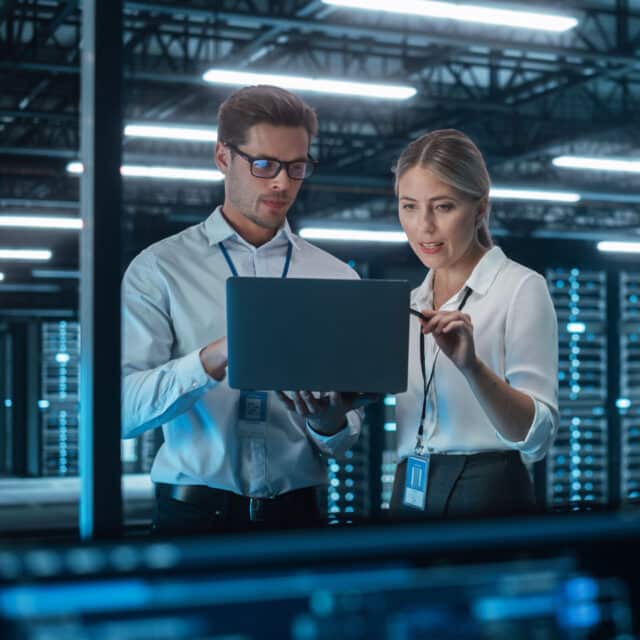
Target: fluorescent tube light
{"points": [[465, 12], [354, 235], [164, 173], [40, 222], [1, 276], [620, 247], [597, 164], [75, 168], [25, 254], [533, 194], [171, 132], [316, 85], [171, 173]]}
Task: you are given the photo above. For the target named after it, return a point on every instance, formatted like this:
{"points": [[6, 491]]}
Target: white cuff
{"points": [[341, 440], [191, 374], [538, 438]]}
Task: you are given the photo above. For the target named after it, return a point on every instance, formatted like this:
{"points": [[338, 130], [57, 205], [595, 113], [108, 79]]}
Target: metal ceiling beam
{"points": [[401, 37], [451, 38]]}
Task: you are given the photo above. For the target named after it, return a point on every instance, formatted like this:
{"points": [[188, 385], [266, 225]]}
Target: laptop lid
{"points": [[318, 334]]}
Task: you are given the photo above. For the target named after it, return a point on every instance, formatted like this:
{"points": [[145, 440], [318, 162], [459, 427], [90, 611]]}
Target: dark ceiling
{"points": [[524, 97]]}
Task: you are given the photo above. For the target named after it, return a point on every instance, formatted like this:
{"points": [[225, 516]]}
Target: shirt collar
{"points": [[485, 272], [480, 280], [217, 230]]}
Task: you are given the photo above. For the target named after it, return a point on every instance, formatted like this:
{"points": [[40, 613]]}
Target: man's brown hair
{"points": [[262, 104]]}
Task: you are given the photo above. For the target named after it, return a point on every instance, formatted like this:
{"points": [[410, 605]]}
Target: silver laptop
{"points": [[318, 334]]}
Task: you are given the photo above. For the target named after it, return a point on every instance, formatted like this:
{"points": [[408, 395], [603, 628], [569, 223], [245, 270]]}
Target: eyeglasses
{"points": [[270, 168]]}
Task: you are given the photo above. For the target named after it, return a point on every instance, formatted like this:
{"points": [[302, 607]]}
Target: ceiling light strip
{"points": [[354, 235], [597, 164], [40, 222], [25, 254], [170, 132], [315, 85], [552, 22]]}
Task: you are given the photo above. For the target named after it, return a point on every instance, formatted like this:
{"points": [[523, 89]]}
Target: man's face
{"points": [[252, 202]]}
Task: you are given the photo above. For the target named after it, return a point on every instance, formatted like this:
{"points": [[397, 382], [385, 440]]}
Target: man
{"points": [[219, 466]]}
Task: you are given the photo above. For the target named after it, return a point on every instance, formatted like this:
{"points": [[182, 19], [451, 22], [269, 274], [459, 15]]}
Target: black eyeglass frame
{"points": [[310, 162]]}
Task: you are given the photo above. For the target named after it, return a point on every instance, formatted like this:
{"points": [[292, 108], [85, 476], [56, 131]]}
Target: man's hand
{"points": [[214, 358], [325, 413]]}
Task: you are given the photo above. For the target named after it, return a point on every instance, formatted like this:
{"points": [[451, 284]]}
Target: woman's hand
{"points": [[453, 333], [325, 413]]}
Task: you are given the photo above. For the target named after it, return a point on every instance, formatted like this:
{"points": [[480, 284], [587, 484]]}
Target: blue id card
{"points": [[253, 406], [415, 484]]}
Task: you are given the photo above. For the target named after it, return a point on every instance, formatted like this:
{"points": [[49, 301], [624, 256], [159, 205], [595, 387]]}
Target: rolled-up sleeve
{"points": [[155, 388], [344, 439], [531, 362]]}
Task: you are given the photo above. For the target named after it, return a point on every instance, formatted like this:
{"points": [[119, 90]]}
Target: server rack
{"points": [[59, 407], [578, 463], [59, 397], [628, 404]]}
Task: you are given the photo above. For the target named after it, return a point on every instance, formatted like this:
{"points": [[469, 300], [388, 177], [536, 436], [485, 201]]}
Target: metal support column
{"points": [[100, 253]]}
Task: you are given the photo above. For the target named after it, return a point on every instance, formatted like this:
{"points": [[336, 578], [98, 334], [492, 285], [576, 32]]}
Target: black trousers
{"points": [[492, 483], [187, 509]]}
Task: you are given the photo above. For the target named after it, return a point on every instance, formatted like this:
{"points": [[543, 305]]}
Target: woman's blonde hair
{"points": [[456, 160]]}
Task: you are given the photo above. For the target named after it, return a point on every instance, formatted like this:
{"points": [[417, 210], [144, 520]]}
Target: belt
{"points": [[476, 455], [226, 505]]}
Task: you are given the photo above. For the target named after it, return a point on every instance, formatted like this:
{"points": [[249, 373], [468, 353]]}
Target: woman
{"points": [[485, 397]]}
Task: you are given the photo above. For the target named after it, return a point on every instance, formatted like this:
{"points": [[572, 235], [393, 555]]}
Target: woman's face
{"points": [[440, 222]]}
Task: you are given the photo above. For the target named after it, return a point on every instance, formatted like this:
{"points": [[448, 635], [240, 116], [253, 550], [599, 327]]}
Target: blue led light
{"points": [[8, 403], [43, 404], [576, 327], [512, 608], [623, 403], [390, 401], [389, 426], [62, 358], [582, 616]]}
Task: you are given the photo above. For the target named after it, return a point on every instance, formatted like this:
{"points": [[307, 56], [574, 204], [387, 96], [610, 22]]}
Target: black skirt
{"points": [[491, 483]]}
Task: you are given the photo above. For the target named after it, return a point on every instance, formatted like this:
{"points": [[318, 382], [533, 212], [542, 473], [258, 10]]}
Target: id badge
{"points": [[252, 406], [415, 484]]}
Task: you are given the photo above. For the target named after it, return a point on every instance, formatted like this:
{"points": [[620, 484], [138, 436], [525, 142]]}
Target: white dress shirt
{"points": [[516, 336], [173, 300]]}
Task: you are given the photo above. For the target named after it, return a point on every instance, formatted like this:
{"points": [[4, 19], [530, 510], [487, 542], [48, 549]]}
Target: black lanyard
{"points": [[234, 271], [427, 383]]}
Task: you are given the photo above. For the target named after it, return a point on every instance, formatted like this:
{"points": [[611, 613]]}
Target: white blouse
{"points": [[515, 335]]}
